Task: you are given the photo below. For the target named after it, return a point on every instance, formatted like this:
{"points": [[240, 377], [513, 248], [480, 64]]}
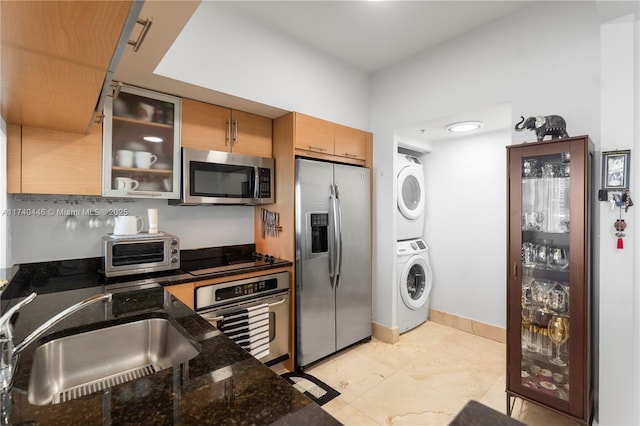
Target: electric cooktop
{"points": [[227, 258]]}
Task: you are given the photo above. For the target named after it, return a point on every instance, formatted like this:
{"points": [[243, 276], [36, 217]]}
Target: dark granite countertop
{"points": [[223, 384]]}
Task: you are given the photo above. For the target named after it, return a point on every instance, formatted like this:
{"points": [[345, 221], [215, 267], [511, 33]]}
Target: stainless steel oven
{"points": [[253, 312]]}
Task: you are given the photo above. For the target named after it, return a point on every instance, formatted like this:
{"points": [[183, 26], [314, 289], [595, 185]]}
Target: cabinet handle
{"points": [[147, 25], [515, 270], [317, 148], [235, 131], [348, 154]]}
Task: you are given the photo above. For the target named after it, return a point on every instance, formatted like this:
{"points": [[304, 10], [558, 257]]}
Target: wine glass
{"points": [[558, 258], [528, 335], [539, 219], [559, 333]]}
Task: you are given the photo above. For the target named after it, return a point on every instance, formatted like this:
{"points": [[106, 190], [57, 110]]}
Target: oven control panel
{"points": [[228, 293], [247, 289]]}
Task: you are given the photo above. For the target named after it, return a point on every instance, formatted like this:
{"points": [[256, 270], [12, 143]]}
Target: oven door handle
{"points": [[221, 317], [213, 319], [279, 302]]}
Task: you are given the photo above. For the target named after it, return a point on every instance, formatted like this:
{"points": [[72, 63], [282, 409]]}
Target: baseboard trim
{"points": [[478, 328], [386, 334]]}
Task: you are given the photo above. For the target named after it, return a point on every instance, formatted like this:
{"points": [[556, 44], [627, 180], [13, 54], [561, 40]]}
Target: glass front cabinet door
{"points": [[549, 345], [141, 145]]}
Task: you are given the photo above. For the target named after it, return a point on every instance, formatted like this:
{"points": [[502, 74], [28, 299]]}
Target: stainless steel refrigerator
{"points": [[333, 258]]}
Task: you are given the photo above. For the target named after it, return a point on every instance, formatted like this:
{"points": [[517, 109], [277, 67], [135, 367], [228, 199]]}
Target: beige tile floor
{"points": [[424, 379]]}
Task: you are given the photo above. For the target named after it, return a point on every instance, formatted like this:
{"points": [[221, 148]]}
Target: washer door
{"points": [[410, 192], [415, 283]]}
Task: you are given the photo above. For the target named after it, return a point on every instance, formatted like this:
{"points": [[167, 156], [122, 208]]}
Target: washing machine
{"points": [[411, 198], [415, 280]]}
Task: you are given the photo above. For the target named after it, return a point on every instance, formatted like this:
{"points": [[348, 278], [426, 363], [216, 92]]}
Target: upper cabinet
{"points": [[323, 138], [211, 127], [56, 57], [141, 148], [41, 161]]}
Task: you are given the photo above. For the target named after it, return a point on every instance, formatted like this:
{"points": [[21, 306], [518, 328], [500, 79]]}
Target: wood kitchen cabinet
{"points": [[549, 323], [56, 58], [321, 138], [14, 159], [211, 127], [41, 161], [184, 293]]}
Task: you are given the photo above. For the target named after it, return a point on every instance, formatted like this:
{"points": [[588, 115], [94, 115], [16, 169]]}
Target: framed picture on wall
{"points": [[616, 169]]}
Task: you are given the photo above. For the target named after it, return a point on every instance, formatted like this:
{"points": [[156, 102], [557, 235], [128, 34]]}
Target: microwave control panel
{"points": [[264, 182]]}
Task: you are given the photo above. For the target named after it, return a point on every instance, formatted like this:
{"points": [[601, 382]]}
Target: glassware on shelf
{"points": [[529, 341], [539, 217], [559, 333], [558, 298], [558, 258]]}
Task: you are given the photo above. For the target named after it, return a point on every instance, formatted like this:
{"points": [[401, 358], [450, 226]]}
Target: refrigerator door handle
{"points": [[333, 248], [338, 236]]}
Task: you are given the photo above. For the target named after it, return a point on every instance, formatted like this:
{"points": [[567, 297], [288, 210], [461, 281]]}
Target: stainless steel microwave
{"points": [[215, 177]]}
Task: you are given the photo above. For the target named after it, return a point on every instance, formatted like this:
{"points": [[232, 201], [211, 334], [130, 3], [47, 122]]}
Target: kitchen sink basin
{"points": [[81, 364]]}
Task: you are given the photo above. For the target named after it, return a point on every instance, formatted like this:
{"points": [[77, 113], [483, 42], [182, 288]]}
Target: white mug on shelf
{"points": [[144, 159], [124, 158], [126, 184], [128, 225]]}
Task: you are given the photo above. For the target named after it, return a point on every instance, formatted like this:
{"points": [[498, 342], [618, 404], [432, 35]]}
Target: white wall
{"points": [[617, 277], [42, 238], [255, 62], [465, 225], [541, 60]]}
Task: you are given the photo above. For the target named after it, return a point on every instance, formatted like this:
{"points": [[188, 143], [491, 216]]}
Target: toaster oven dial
{"points": [[174, 260], [174, 242], [174, 251]]}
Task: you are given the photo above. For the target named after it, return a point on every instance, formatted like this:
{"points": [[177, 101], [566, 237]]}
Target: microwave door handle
{"points": [[256, 183]]}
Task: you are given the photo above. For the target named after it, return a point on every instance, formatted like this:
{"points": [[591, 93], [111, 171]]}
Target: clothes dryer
{"points": [[411, 198], [415, 280]]}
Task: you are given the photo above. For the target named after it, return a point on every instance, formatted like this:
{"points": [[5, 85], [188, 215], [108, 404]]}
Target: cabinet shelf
{"points": [[138, 122], [138, 170]]}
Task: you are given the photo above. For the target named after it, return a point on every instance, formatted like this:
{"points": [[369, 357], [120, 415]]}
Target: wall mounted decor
{"points": [[616, 170]]}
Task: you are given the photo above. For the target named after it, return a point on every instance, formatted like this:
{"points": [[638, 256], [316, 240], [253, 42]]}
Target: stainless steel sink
{"points": [[81, 364]]}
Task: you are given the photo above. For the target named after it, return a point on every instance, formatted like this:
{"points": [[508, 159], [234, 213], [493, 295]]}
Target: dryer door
{"points": [[416, 281], [410, 192]]}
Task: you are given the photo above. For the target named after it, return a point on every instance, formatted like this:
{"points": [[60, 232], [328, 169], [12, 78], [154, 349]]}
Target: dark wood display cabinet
{"points": [[549, 343]]}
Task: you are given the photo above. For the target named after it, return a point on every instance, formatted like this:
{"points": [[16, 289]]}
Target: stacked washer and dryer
{"points": [[414, 273]]}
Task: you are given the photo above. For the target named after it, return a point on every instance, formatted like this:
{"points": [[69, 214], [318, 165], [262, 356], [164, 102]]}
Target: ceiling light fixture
{"points": [[464, 126], [155, 139]]}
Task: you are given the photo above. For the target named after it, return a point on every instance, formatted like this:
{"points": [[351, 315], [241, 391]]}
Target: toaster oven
{"points": [[141, 253]]}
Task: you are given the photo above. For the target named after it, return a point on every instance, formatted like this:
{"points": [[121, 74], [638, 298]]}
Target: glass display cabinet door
{"points": [[141, 145], [545, 287], [548, 292]]}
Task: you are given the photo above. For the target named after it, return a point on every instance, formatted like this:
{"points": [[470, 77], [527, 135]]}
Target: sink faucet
{"points": [[9, 352]]}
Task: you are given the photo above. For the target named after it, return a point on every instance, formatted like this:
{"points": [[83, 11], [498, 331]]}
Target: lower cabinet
{"points": [[183, 292], [41, 161]]}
